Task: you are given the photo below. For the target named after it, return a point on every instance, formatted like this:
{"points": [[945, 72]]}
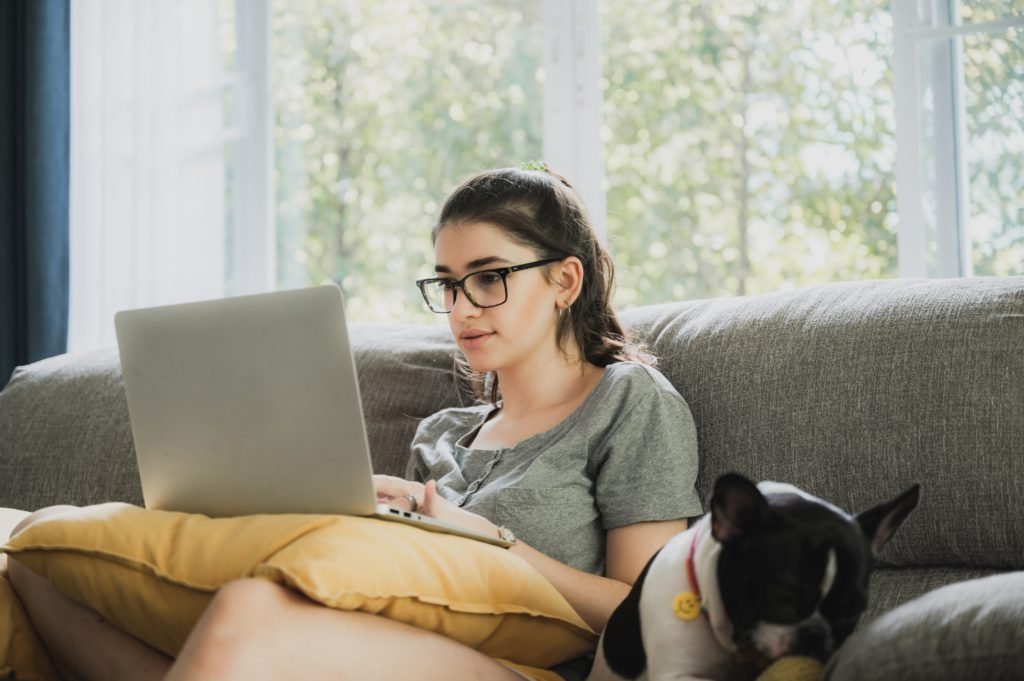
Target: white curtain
{"points": [[147, 159]]}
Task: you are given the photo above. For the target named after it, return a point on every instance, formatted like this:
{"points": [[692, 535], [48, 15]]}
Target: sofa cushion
{"points": [[893, 586], [855, 390], [961, 632], [405, 374], [65, 436], [152, 573]]}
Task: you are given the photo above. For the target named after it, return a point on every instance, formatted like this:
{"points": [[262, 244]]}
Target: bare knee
{"points": [[238, 610], [244, 600], [22, 578], [36, 516], [231, 626]]}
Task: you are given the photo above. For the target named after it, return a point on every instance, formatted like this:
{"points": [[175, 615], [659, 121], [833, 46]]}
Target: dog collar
{"points": [[688, 605]]}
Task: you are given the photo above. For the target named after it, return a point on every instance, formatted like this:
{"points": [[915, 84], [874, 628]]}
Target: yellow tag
{"points": [[686, 605]]}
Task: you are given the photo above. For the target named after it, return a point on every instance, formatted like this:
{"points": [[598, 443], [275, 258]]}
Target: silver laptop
{"points": [[251, 405]]}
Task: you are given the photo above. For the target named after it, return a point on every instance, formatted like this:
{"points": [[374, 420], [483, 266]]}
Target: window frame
{"points": [[935, 27], [254, 250], [573, 118]]}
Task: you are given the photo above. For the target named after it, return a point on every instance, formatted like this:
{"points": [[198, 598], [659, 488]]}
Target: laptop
{"points": [[250, 405]]}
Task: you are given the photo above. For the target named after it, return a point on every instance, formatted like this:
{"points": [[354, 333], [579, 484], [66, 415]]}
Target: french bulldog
{"points": [[770, 571]]}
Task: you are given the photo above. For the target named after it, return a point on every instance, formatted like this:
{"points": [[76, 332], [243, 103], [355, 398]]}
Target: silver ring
{"points": [[413, 504]]}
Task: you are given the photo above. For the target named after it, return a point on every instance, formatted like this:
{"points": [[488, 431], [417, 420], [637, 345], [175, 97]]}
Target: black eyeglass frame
{"points": [[503, 272]]}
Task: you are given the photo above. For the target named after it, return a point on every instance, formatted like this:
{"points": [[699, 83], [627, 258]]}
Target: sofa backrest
{"points": [[852, 391], [65, 434], [856, 390]]}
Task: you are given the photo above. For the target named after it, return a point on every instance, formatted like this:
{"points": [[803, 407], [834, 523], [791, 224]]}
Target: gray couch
{"points": [[850, 390]]}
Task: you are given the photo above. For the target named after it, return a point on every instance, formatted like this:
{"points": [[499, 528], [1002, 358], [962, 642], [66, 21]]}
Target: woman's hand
{"points": [[436, 506], [395, 492]]}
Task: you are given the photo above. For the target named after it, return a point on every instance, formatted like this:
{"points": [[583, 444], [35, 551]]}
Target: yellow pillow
{"points": [[152, 573], [21, 650]]}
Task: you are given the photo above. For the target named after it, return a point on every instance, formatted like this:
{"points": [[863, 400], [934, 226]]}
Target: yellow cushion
{"points": [[21, 650], [532, 673], [152, 573]]}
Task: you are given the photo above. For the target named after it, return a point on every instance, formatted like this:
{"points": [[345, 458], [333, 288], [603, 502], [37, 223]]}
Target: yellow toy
{"points": [[793, 669]]}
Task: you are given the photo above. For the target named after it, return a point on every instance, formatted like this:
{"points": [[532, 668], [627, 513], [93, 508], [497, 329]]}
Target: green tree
{"points": [[993, 66], [381, 108], [749, 144]]}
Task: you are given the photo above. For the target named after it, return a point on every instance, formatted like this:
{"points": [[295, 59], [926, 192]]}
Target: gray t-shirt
{"points": [[628, 454]]}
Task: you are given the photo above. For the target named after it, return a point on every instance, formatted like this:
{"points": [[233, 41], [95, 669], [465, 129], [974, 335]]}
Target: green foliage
{"points": [[749, 144], [379, 113], [994, 107]]}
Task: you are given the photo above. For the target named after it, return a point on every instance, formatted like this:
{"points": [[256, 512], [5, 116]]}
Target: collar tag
{"points": [[686, 605]]}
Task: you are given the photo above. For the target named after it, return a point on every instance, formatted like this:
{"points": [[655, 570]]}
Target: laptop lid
{"points": [[247, 405]]}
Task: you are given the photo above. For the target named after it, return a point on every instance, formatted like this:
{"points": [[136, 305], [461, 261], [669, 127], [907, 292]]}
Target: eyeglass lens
{"points": [[484, 289]]}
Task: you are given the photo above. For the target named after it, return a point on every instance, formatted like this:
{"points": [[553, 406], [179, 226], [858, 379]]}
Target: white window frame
{"points": [[933, 27], [573, 98], [254, 261]]}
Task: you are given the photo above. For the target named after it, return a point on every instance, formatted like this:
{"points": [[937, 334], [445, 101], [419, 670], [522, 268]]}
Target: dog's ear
{"points": [[880, 522], [737, 507]]}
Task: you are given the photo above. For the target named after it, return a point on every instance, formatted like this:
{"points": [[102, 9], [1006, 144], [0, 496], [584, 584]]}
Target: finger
{"points": [[429, 494], [388, 486]]}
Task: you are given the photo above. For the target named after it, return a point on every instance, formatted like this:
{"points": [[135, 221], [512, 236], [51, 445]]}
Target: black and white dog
{"points": [[770, 571]]}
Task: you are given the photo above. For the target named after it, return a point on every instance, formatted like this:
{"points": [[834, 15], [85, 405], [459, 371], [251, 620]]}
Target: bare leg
{"points": [[39, 515], [255, 629], [82, 644]]}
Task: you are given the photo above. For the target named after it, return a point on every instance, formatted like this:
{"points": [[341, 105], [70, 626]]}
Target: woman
{"points": [[582, 449]]}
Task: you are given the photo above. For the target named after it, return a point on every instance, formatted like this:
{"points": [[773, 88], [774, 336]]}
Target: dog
{"points": [[771, 571]]}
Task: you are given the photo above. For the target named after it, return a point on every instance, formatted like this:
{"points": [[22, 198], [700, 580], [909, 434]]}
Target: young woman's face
{"points": [[501, 337]]}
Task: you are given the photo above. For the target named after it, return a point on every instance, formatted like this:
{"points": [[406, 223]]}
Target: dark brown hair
{"points": [[541, 210]]}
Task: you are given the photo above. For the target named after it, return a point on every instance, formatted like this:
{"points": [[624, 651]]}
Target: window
{"points": [[750, 145], [960, 108], [147, 141], [379, 109], [994, 107], [731, 147], [723, 146]]}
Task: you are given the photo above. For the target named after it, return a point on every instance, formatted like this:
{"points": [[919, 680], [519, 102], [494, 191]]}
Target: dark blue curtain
{"points": [[35, 80]]}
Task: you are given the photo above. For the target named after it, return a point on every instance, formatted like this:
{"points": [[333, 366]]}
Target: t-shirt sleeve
{"points": [[648, 462]]}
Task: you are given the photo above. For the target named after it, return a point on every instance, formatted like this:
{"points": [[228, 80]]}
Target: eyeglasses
{"points": [[486, 288]]}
